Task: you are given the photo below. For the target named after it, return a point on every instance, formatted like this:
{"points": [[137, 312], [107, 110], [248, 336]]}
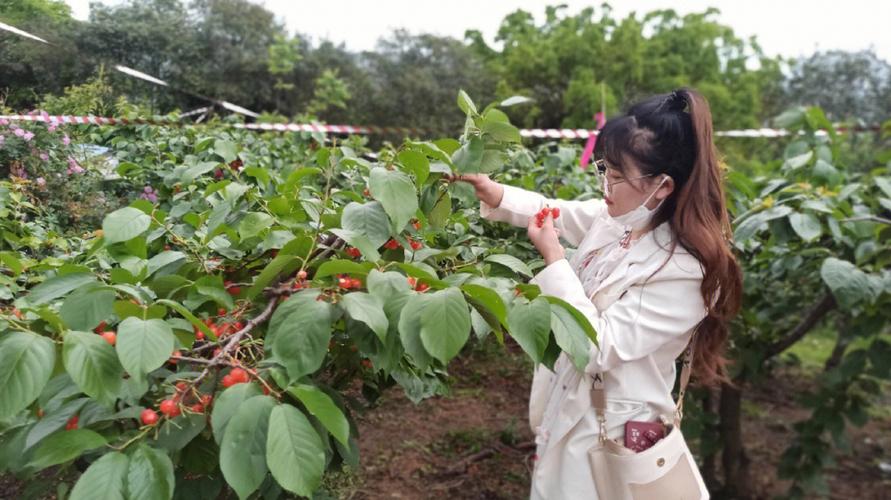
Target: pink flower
{"points": [[44, 156], [41, 181], [65, 140], [52, 127], [28, 136], [4, 121], [19, 132]]}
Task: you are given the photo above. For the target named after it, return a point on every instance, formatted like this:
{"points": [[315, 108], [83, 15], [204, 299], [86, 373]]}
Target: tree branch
{"points": [[810, 320]]}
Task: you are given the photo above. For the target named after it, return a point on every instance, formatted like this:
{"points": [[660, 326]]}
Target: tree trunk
{"points": [[710, 435], [841, 343], [737, 481]]}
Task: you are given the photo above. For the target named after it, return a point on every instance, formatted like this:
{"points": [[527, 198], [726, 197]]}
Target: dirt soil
{"points": [[421, 452]]}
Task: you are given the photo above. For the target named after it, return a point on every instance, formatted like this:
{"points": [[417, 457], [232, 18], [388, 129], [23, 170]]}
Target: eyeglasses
{"points": [[601, 171]]}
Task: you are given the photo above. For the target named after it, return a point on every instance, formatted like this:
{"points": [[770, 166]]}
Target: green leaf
{"points": [[514, 100], [26, 363], [227, 150], [469, 156], [580, 318], [514, 264], [849, 284], [410, 329], [189, 316], [570, 337], [396, 192], [150, 475], [227, 404], [368, 309], [253, 223], [143, 346], [342, 266], [884, 183], [93, 365], [87, 307], [360, 241], [465, 103], [59, 286], [300, 330], [369, 220], [439, 215], [445, 324], [125, 224], [64, 446], [530, 325], [11, 260], [105, 479], [504, 132], [323, 408], [294, 452], [176, 433], [417, 163], [163, 259], [489, 298], [807, 226], [243, 451]]}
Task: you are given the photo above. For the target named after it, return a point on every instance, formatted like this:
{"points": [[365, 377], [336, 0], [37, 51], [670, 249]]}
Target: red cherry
{"points": [[109, 337], [169, 407], [353, 252], [181, 386], [239, 375], [343, 282], [366, 193], [416, 225], [71, 424], [412, 281], [148, 417], [101, 327], [206, 400], [199, 335], [239, 326], [221, 312], [297, 285], [227, 381], [392, 244], [555, 212], [366, 364], [415, 245], [422, 287], [173, 356], [197, 408], [265, 390], [217, 352], [218, 174], [355, 283], [301, 275]]}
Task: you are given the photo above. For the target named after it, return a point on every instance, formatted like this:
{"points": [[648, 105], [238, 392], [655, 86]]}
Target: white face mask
{"points": [[638, 218]]}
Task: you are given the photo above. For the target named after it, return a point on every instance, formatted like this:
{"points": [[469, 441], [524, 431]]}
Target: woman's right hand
{"points": [[487, 190]]}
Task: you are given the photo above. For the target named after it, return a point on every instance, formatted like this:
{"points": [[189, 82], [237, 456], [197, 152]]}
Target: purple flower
{"points": [[4, 121], [44, 156], [65, 140], [28, 136], [52, 127], [19, 132], [147, 190], [41, 181]]}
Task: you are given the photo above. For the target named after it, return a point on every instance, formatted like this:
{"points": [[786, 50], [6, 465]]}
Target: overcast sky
{"points": [[785, 27]]}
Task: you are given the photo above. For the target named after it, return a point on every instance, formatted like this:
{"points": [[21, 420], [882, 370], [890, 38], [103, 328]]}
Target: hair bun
{"points": [[675, 101]]}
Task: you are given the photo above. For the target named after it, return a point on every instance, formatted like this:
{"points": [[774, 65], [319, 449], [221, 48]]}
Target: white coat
{"points": [[643, 322]]}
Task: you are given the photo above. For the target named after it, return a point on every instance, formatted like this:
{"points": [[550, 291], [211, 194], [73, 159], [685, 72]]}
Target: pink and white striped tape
{"points": [[537, 133]]}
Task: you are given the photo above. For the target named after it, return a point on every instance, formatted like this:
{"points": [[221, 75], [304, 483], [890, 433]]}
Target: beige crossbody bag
{"points": [[664, 471]]}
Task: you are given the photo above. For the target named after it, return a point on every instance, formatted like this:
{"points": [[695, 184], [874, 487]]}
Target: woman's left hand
{"points": [[545, 238]]}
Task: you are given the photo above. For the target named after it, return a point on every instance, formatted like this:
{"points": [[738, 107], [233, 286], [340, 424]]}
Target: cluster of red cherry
{"points": [[540, 216]]}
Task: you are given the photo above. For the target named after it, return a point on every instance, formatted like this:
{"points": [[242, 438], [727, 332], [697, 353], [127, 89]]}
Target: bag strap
{"points": [[598, 394]]}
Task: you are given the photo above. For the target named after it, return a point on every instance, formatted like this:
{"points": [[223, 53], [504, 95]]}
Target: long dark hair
{"points": [[672, 134]]}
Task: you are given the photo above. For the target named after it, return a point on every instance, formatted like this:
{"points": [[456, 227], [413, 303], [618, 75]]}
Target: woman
{"points": [[652, 266]]}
